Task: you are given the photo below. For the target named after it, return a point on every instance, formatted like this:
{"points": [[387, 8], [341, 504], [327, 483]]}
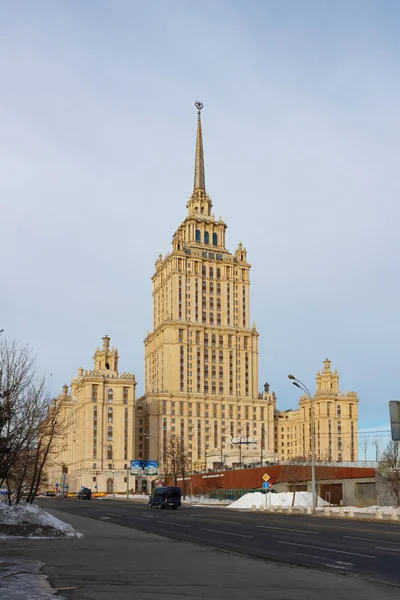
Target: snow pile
{"points": [[204, 500], [30, 514], [283, 499]]}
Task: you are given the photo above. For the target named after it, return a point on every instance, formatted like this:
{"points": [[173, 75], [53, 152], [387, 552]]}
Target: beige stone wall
{"points": [[335, 423], [99, 423]]}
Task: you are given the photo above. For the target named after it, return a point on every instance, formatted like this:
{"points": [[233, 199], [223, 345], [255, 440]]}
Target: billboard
{"points": [[136, 467], [394, 410], [150, 467], [144, 467]]}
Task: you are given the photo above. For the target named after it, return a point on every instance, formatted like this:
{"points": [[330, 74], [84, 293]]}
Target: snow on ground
{"points": [[283, 499], [30, 514], [367, 510]]}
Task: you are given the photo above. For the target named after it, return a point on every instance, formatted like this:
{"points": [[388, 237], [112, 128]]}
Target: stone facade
{"points": [[201, 360], [98, 419], [335, 423]]}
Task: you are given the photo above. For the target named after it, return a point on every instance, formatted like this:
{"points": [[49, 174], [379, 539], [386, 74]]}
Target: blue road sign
{"points": [[266, 485]]}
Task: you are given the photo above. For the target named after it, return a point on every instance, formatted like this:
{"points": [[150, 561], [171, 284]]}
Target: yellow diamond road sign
{"points": [[266, 477]]}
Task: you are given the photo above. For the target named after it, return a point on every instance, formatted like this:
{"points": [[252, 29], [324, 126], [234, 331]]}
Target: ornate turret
{"points": [[199, 202]]}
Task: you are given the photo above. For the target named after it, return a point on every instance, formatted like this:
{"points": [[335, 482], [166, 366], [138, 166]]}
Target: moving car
{"points": [[165, 497], [84, 494]]}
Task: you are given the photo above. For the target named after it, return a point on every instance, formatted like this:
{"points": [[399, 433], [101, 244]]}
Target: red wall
{"points": [[252, 478]]}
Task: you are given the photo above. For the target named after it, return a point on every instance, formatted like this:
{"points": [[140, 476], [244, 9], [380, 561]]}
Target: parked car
{"points": [[49, 493], [84, 494], [165, 497]]}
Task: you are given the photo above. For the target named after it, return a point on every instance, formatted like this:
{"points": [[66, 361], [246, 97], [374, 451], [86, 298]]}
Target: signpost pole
{"points": [[127, 484]]}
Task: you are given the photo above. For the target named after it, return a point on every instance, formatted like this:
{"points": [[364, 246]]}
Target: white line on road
{"points": [[325, 549], [139, 518], [390, 549], [351, 537], [172, 523], [228, 533], [286, 529], [337, 564], [220, 521]]}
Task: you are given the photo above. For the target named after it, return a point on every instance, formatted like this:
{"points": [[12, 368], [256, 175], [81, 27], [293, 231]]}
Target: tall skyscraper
{"points": [[201, 359]]}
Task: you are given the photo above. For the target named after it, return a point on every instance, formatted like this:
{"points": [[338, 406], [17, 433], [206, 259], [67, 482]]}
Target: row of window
{"points": [[110, 394], [206, 238]]}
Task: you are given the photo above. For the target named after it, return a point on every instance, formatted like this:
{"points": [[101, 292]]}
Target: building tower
{"points": [[201, 359], [98, 419], [335, 423]]}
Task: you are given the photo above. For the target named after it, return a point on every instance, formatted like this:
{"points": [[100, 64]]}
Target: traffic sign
{"points": [[266, 477], [266, 485]]}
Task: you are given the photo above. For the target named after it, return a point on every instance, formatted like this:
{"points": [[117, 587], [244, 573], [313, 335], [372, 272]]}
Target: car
{"points": [[84, 494], [166, 497], [49, 493]]}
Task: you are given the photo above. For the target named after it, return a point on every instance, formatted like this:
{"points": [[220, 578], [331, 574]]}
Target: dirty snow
{"points": [[30, 514], [283, 499], [367, 510]]}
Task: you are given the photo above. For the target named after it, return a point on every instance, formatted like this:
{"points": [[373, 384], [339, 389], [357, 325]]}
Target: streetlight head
{"points": [[296, 384], [291, 377]]}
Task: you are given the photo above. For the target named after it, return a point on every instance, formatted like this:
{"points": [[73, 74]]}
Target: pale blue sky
{"points": [[301, 137]]}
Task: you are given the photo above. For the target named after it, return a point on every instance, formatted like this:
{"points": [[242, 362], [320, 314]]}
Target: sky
{"points": [[301, 135]]}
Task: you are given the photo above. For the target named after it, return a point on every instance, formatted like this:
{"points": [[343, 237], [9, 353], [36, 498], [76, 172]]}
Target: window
{"points": [[109, 433], [110, 396], [110, 415], [366, 490], [206, 237], [197, 236], [109, 454], [126, 391], [94, 466], [218, 319], [211, 272], [181, 335], [215, 239], [94, 393]]}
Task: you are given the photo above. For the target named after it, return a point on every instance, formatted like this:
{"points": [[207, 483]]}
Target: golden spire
{"points": [[199, 179]]}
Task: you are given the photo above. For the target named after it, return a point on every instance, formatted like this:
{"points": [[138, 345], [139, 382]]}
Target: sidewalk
{"points": [[118, 562]]}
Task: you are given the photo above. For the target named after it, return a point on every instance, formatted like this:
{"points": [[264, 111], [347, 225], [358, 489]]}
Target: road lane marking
{"points": [[220, 521], [139, 518], [172, 523], [228, 533], [325, 549], [286, 529], [337, 564], [390, 549], [104, 518], [351, 537]]}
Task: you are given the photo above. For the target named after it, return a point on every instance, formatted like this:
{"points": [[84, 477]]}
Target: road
{"points": [[363, 549]]}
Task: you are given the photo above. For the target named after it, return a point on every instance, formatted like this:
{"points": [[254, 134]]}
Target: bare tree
{"points": [[389, 468], [183, 464], [176, 459], [294, 472], [364, 445], [27, 421], [377, 444]]}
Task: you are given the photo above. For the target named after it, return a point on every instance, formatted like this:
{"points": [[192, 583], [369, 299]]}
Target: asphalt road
{"points": [[363, 549]]}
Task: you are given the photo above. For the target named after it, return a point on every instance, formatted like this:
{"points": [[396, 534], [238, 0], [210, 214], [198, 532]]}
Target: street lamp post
{"points": [[262, 442], [305, 389]]}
